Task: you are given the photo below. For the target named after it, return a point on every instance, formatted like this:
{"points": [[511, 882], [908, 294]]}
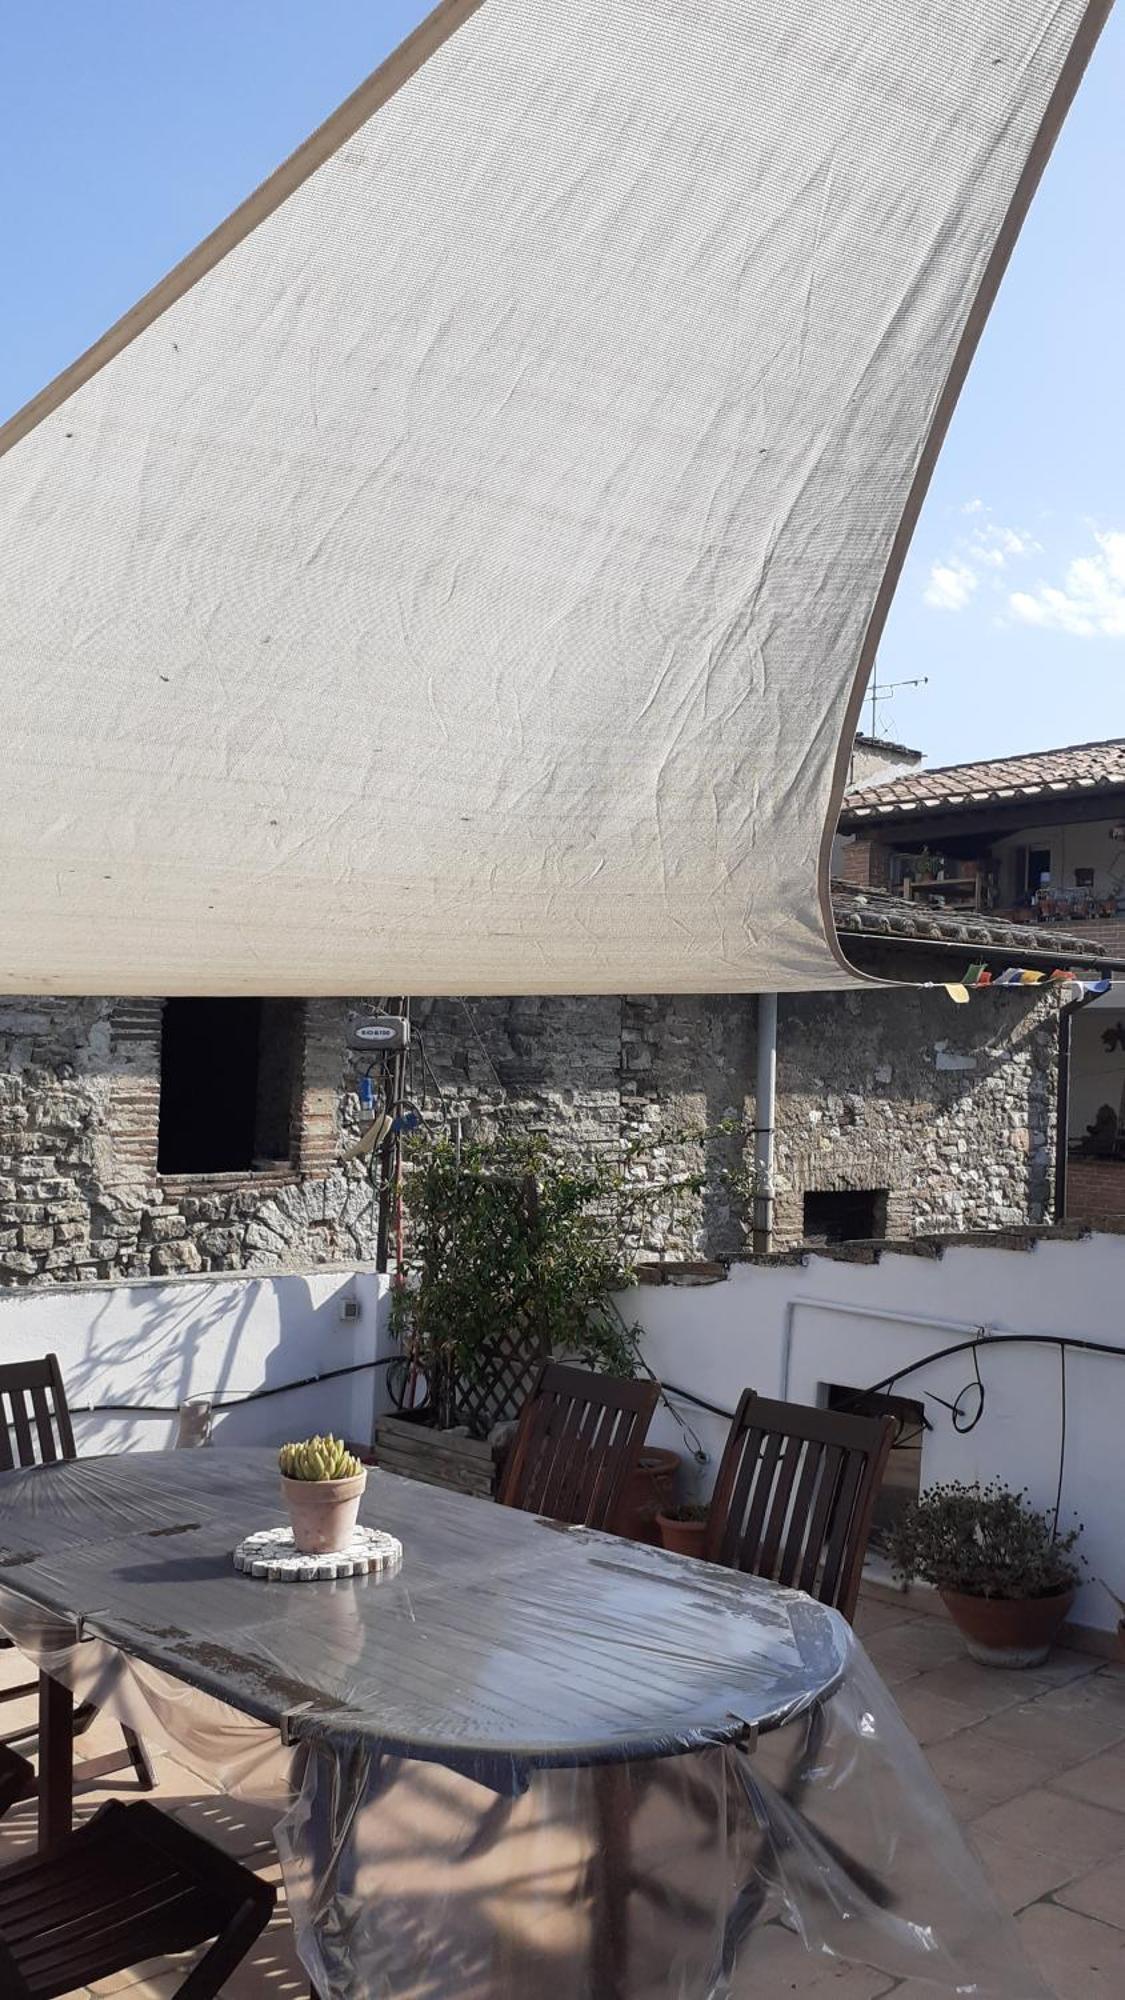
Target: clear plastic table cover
{"points": [[533, 1753]]}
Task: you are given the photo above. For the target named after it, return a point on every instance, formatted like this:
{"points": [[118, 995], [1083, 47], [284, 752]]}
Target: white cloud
{"points": [[1091, 600], [977, 556], [950, 586], [998, 546]]}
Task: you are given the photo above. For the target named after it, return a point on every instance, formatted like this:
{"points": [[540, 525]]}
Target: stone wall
{"points": [[80, 1195], [950, 1110]]}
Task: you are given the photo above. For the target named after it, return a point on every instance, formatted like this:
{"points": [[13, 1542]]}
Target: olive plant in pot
{"points": [[1004, 1573], [322, 1485]]}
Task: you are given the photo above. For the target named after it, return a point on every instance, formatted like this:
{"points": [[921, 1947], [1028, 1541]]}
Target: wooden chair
{"points": [[33, 1411], [130, 1885], [793, 1503], [579, 1439], [795, 1495]]}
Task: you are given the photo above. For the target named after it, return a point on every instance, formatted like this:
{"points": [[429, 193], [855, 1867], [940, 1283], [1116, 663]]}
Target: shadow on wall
{"points": [[134, 1353]]}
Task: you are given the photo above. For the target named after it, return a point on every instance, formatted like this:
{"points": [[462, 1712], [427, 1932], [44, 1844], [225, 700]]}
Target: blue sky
{"points": [[128, 129]]}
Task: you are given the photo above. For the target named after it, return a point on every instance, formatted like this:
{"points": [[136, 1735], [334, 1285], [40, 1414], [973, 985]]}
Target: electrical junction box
{"points": [[380, 1034]]}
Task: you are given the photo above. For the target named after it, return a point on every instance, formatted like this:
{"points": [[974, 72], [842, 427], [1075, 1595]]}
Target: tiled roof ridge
{"points": [[1019, 757], [1072, 766]]}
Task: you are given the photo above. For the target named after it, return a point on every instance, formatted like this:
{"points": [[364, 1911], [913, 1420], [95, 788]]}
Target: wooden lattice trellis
{"points": [[500, 1383]]}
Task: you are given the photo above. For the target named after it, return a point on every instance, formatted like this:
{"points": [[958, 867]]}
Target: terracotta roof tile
{"points": [[1078, 770], [874, 913]]}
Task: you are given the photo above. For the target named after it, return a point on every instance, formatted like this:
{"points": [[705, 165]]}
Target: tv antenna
{"points": [[876, 694]]}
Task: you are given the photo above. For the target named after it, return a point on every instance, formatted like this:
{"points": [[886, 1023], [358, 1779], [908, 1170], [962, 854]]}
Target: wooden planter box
{"points": [[439, 1458]]}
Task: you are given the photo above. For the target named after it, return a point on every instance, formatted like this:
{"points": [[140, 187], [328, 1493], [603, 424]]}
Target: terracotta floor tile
{"points": [[873, 1615], [1078, 1957], [916, 1647], [932, 1717], [1047, 1822], [1100, 1894], [1028, 1727], [1100, 1779], [977, 1775], [1064, 1667], [1020, 1875], [776, 1963], [1090, 1713], [988, 1688]]}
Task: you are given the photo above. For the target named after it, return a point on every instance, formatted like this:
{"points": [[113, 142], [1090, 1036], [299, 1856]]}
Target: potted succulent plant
{"points": [[1004, 1573], [683, 1528], [322, 1484]]}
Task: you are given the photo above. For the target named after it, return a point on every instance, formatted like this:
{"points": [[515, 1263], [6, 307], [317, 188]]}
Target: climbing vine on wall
{"points": [[515, 1243]]}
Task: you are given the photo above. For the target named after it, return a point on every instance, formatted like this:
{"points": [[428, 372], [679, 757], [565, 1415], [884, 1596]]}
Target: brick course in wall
{"points": [[1094, 1188], [862, 864]]}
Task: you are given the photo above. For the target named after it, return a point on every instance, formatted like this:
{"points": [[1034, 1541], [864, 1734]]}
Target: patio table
{"points": [[512, 1676]]}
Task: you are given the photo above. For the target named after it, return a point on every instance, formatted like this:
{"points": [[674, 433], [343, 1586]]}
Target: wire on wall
{"points": [[967, 1408]]}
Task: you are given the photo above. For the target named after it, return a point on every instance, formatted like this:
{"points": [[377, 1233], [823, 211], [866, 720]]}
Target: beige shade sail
{"points": [[461, 574]]}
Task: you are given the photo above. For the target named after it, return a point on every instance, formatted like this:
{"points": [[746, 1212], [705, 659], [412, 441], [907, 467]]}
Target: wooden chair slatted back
{"points": [[579, 1439], [795, 1495], [33, 1412]]}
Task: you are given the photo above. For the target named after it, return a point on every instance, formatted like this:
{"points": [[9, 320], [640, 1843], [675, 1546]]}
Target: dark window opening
{"points": [[845, 1215], [1038, 865], [902, 1480], [228, 1076]]}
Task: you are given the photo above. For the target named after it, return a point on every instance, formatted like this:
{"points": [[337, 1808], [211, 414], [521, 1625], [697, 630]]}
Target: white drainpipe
{"points": [[765, 1106]]}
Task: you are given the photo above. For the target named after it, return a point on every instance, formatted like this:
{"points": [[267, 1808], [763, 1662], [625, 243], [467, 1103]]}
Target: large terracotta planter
{"points": [[1008, 1631], [323, 1512], [684, 1538], [649, 1490]]}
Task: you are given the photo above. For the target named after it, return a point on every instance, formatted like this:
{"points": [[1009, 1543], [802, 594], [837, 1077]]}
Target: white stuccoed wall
{"points": [[788, 1331], [784, 1330], [161, 1341]]}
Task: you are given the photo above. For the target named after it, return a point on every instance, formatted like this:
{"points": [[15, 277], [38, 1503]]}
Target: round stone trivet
{"points": [[270, 1553]]}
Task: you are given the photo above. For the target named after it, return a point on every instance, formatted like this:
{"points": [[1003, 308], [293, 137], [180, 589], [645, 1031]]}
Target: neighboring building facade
{"points": [[1037, 840]]}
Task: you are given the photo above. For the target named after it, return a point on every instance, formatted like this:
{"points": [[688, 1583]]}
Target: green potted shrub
{"points": [[1005, 1574], [683, 1528], [322, 1485]]}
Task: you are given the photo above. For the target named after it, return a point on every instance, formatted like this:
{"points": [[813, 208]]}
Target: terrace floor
{"points": [[1033, 1765]]}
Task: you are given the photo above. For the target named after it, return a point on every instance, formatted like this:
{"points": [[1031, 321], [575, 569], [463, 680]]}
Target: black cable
{"points": [[997, 1340], [219, 1402], [700, 1402], [1062, 1438], [1063, 1341]]}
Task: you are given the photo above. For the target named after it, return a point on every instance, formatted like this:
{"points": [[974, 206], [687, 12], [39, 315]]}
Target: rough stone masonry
{"points": [[948, 1111]]}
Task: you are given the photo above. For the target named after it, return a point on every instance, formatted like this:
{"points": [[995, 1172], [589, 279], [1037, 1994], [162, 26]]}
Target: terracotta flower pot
{"points": [[1008, 1631], [685, 1538], [649, 1489], [323, 1512]]}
